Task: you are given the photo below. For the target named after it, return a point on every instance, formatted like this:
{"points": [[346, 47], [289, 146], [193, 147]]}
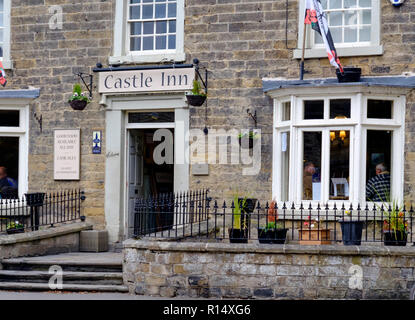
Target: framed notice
{"points": [[66, 154]]}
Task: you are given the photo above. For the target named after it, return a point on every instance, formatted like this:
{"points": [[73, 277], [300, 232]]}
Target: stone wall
{"points": [[268, 271]]}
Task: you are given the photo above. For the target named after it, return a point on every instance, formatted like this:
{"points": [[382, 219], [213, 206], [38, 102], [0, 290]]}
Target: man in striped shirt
{"points": [[378, 188]]}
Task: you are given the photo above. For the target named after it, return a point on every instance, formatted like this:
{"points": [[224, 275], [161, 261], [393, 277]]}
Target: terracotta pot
{"points": [[314, 237], [78, 104]]}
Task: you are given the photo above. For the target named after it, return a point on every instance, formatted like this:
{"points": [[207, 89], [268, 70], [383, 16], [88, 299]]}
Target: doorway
{"points": [[146, 176]]}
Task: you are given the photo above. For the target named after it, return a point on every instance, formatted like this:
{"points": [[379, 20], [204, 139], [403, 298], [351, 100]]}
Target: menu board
{"points": [[66, 154]]}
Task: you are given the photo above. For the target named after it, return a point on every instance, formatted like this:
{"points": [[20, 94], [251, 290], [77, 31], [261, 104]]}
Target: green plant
{"points": [[250, 134], [238, 211], [78, 94], [197, 90], [12, 225]]}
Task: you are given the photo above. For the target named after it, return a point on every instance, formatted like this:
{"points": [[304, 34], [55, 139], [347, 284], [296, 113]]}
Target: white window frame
{"points": [[121, 53], [357, 124], [21, 132], [6, 59], [371, 48]]}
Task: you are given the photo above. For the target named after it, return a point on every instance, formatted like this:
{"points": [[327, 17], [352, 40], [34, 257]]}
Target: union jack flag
{"points": [[3, 80], [317, 18]]}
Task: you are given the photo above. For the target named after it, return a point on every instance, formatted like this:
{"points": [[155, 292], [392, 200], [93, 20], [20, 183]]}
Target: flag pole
{"points": [[302, 54]]}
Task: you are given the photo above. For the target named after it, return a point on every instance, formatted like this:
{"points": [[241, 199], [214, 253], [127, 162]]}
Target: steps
{"points": [[94, 272]]}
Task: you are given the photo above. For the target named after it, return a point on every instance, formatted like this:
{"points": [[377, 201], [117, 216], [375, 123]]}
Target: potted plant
{"points": [[14, 227], [351, 230], [239, 231], [312, 234], [273, 232], [196, 97], [250, 137], [78, 100]]}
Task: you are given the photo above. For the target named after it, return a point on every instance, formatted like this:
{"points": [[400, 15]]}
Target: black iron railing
{"points": [[195, 214], [35, 210]]}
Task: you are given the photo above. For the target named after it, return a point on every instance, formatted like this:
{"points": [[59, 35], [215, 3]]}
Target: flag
{"points": [[3, 80], [316, 16]]}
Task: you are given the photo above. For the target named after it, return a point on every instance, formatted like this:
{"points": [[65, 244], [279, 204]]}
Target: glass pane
{"points": [[148, 11], [324, 4], [335, 4], [161, 42], [9, 163], [172, 42], [1, 20], [313, 109], [312, 166], [1, 35], [1, 51], [135, 28], [9, 118], [318, 39], [350, 4], [140, 117], [350, 34], [378, 162], [148, 43], [172, 10], [286, 111], [160, 10], [340, 109], [366, 17], [147, 1], [336, 34], [335, 18], [135, 43], [339, 179], [285, 169], [1, 5], [350, 18], [148, 27], [365, 3], [172, 26], [161, 27], [379, 109], [364, 34], [135, 12]]}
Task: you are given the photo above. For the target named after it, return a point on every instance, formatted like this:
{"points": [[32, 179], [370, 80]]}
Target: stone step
{"points": [[25, 286], [102, 278]]}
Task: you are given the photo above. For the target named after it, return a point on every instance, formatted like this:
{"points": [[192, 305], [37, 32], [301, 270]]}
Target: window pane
{"points": [[336, 34], [350, 34], [350, 4], [9, 159], [335, 18], [312, 166], [148, 11], [339, 179], [285, 170], [364, 34], [161, 42], [379, 109], [144, 117], [135, 43], [286, 111], [340, 109], [172, 10], [172, 26], [324, 4], [318, 39], [148, 27], [335, 4], [161, 27], [172, 42], [378, 162], [313, 109], [148, 43], [350, 18], [366, 17], [135, 28], [135, 12], [160, 10], [365, 3], [9, 118], [1, 5]]}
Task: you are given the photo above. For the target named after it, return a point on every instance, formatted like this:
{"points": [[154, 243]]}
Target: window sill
{"points": [[342, 52], [7, 64], [149, 58]]}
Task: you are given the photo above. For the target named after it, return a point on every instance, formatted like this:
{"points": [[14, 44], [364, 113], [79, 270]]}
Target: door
{"points": [[135, 173]]}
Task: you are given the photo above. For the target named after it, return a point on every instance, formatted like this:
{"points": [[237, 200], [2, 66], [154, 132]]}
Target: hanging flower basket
{"points": [[196, 100], [78, 104]]}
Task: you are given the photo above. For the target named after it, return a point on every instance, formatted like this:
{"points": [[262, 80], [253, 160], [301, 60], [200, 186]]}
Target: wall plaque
{"points": [[67, 151]]}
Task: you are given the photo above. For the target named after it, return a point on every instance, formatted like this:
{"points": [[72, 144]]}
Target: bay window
{"points": [[328, 146]]}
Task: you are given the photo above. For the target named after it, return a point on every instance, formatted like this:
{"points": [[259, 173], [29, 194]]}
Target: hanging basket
{"points": [[195, 100], [78, 104]]}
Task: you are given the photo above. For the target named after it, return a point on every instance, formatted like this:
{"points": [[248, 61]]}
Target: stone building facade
{"points": [[240, 42]]}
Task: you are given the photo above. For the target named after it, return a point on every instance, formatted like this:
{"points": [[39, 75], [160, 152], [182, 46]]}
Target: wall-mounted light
{"points": [[397, 3], [342, 134]]}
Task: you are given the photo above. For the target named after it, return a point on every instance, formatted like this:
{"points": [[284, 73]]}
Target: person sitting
{"points": [[8, 186], [378, 187]]}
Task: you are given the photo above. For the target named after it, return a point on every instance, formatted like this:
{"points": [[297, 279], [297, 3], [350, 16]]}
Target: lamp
{"points": [[332, 135], [342, 134]]}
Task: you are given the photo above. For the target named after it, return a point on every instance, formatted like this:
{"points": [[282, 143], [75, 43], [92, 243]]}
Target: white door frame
{"points": [[116, 209]]}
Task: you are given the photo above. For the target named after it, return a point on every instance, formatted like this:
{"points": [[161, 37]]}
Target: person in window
{"points": [[309, 172], [8, 186], [378, 188]]}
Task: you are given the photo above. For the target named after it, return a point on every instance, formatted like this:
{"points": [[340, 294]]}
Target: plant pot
{"points": [[314, 237], [78, 104], [352, 232], [35, 199], [14, 231], [277, 236], [249, 205], [395, 238], [195, 100], [349, 75], [238, 235]]}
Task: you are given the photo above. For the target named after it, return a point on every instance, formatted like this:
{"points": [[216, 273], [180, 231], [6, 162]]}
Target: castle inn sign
{"points": [[176, 79]]}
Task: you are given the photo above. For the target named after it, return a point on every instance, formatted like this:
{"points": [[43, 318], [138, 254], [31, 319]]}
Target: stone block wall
{"points": [[268, 271]]}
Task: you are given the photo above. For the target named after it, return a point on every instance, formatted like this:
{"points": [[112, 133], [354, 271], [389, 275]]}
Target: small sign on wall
{"points": [[67, 152], [96, 142]]}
